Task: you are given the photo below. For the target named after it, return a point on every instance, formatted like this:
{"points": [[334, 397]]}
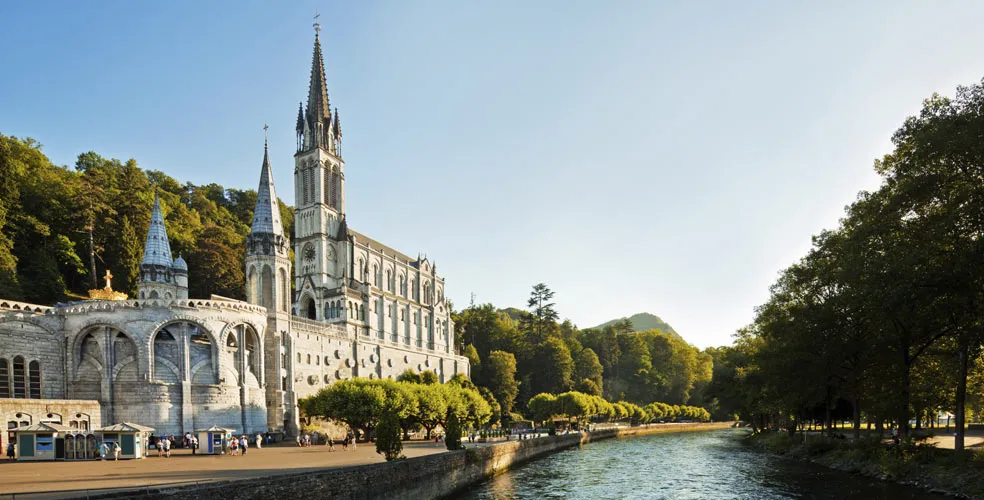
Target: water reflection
{"points": [[697, 465]]}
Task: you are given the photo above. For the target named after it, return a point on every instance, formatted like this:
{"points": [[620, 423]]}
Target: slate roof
{"points": [[46, 427], [157, 249], [126, 427], [365, 240], [266, 217]]}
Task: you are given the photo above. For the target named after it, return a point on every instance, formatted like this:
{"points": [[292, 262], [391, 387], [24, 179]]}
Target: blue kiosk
{"points": [[210, 441]]}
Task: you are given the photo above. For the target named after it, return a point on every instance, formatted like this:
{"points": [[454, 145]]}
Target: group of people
{"points": [[304, 440], [104, 451]]}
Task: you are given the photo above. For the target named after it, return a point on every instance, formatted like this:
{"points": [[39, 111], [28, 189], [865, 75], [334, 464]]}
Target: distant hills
{"points": [[644, 321]]}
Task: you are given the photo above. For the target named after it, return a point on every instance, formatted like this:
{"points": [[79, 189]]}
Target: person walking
{"points": [[167, 448], [10, 450], [345, 442], [244, 444], [194, 445], [259, 440], [330, 443], [116, 451], [234, 446], [159, 444]]}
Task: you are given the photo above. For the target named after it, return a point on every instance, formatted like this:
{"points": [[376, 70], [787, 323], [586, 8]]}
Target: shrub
{"points": [[388, 442], [452, 438]]}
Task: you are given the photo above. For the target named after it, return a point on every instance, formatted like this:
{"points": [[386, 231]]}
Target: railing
{"points": [[24, 307], [112, 305], [316, 327]]}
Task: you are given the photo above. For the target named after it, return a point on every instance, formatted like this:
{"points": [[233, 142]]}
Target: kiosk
{"points": [[210, 440], [44, 441], [132, 439]]}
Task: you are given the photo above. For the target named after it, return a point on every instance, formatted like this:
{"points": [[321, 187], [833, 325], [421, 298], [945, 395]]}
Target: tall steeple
{"points": [[157, 249], [266, 217], [314, 126]]}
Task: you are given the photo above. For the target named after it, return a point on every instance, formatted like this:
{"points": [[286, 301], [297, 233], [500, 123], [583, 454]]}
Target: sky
{"points": [[666, 157]]}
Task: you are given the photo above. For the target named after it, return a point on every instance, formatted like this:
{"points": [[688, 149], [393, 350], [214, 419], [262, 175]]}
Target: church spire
{"points": [[266, 217], [157, 249]]}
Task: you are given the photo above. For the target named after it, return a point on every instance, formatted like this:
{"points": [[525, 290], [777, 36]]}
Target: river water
{"points": [[691, 465]]}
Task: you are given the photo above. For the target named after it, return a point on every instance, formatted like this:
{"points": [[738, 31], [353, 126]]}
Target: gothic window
{"points": [[326, 189], [231, 341], [362, 270], [4, 378], [20, 384], [389, 283], [298, 358], [304, 184], [268, 287], [334, 190], [309, 359], [375, 275], [34, 378]]}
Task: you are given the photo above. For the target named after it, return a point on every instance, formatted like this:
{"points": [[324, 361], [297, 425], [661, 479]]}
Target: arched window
{"points": [[309, 359], [403, 285], [362, 270], [34, 379], [4, 378], [334, 190], [326, 191], [231, 341], [375, 275], [20, 378], [268, 287], [389, 284], [298, 358], [284, 291]]}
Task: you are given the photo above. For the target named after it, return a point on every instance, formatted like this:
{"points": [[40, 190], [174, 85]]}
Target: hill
{"points": [[644, 321]]}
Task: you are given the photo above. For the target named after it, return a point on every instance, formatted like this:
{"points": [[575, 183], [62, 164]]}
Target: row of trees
{"points": [[518, 354], [61, 228], [882, 319], [362, 403], [580, 407]]}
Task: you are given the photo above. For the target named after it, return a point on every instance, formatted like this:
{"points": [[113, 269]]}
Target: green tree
{"points": [[452, 438], [501, 379], [388, 442]]}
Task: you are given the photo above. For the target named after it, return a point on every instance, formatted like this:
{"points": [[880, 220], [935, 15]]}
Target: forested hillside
{"points": [[62, 227], [517, 354]]}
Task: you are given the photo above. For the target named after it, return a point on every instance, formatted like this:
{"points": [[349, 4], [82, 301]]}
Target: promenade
{"points": [[73, 479]]}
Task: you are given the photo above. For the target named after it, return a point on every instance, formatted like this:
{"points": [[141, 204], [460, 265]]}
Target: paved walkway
{"points": [[77, 477]]}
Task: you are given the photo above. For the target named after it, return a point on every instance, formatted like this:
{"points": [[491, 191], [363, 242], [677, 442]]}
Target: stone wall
{"points": [[432, 476], [66, 411]]}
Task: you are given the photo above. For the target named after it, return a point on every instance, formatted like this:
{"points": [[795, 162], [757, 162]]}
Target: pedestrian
{"points": [[160, 446], [354, 440], [298, 440], [167, 447], [225, 445], [234, 446], [116, 451], [345, 442], [10, 450], [103, 451], [194, 445], [244, 444], [259, 440], [330, 443]]}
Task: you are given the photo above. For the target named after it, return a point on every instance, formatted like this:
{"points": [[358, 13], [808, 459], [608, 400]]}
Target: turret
{"points": [[157, 278]]}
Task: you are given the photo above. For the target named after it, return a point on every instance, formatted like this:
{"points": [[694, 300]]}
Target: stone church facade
{"points": [[357, 308]]}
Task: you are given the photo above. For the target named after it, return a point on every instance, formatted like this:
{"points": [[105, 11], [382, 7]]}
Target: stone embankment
{"points": [[432, 476]]}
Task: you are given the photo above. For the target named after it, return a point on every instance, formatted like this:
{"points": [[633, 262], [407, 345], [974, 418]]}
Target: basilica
{"points": [[357, 308]]}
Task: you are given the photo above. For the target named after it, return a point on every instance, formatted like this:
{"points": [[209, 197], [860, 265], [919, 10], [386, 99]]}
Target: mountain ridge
{"points": [[644, 321]]}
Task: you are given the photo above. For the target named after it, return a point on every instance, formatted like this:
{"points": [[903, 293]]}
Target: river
{"points": [[691, 465]]}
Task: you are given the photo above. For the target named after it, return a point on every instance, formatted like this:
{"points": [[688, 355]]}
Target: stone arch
{"points": [[307, 307], [166, 355], [153, 294]]}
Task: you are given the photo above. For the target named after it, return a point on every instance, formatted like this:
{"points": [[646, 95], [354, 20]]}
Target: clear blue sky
{"points": [[668, 157]]}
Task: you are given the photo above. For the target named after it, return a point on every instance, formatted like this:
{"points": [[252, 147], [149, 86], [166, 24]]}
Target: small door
{"points": [[25, 444], [69, 447], [126, 444], [59, 448]]}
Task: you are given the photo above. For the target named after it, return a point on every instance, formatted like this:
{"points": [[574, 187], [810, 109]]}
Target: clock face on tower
{"points": [[309, 253]]}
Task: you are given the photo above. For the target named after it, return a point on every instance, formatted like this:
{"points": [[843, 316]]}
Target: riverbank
{"points": [[959, 474], [431, 476]]}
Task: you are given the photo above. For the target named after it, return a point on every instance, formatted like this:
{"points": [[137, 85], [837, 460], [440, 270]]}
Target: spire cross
{"points": [[108, 277], [317, 26], [265, 128]]}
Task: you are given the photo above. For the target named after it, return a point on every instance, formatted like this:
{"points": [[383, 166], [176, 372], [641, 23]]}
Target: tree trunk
{"points": [[963, 365], [903, 416], [857, 419], [92, 260]]}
